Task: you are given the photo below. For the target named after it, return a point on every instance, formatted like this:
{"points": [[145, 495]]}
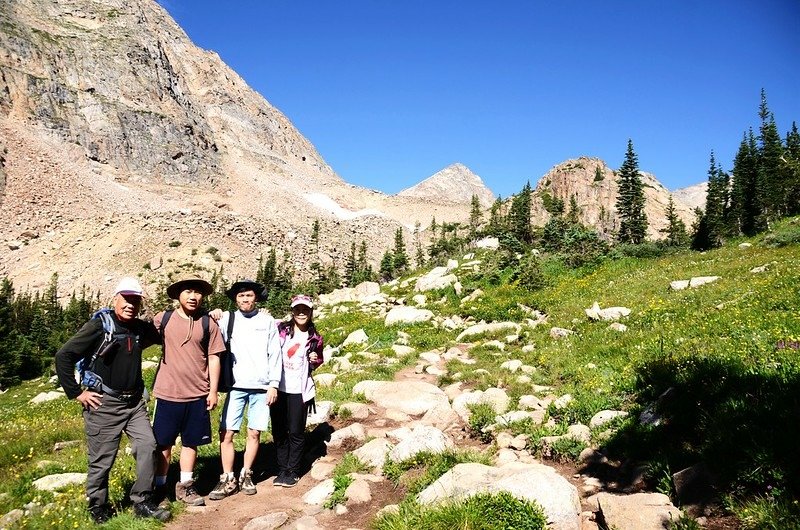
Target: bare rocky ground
{"points": [[243, 512]]}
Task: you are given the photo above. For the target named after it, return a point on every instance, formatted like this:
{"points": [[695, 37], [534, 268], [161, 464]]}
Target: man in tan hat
{"points": [[111, 345], [186, 382]]}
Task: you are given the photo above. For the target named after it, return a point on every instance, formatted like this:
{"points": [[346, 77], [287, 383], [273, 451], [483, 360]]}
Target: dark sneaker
{"points": [[290, 480], [280, 480], [149, 509], [101, 514], [226, 486], [246, 483], [185, 492]]}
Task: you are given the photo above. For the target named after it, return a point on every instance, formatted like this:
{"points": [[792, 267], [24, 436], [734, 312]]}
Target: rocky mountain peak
{"points": [[594, 186], [455, 183]]}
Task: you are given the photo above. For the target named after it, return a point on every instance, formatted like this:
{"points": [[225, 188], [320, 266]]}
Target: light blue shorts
{"points": [[233, 411]]}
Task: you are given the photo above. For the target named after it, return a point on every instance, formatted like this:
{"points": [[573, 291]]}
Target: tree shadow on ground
{"points": [[737, 420]]}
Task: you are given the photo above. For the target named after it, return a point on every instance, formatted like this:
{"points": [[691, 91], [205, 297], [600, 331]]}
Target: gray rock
{"points": [[640, 511], [270, 521], [560, 333], [359, 336], [407, 315], [318, 494], [483, 329], [358, 492], [58, 481], [408, 397], [373, 453], [417, 439], [355, 431], [605, 416], [46, 396]]}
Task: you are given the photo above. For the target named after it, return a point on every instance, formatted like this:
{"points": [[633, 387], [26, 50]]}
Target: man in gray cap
{"points": [[186, 382], [111, 345], [252, 338]]}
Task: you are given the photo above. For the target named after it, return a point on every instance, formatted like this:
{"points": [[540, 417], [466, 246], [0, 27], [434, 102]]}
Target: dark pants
{"points": [[288, 415], [104, 427]]}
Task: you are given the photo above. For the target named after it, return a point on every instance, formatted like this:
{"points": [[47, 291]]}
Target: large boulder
{"points": [[609, 313], [58, 481], [485, 329], [640, 511], [417, 439], [410, 397], [406, 315], [533, 482]]}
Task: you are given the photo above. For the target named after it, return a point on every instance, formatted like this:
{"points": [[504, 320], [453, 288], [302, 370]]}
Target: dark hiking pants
{"points": [[104, 428], [288, 415]]}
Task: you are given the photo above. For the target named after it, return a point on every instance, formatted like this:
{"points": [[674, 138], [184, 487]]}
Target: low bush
{"points": [[484, 511]]}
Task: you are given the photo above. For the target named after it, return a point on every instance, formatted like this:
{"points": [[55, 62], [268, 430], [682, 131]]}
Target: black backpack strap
{"points": [[231, 315], [204, 320], [162, 326]]}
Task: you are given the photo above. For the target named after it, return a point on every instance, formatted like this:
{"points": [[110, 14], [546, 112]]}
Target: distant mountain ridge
{"points": [[126, 149]]}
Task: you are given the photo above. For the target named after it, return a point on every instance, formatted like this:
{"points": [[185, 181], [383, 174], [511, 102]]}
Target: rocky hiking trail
{"points": [[409, 415]]}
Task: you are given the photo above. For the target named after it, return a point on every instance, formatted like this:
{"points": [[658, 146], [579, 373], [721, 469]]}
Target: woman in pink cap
{"points": [[301, 351]]}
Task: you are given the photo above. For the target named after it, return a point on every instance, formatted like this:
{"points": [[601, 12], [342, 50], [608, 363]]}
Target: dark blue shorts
{"points": [[190, 419]]}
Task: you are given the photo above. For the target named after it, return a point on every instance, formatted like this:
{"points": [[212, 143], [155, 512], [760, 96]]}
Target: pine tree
{"points": [[573, 215], [745, 200], [350, 266], [475, 215], [496, 221], [400, 257], [772, 175], [630, 201], [387, 266], [793, 168], [519, 215], [676, 228], [714, 216], [420, 255]]}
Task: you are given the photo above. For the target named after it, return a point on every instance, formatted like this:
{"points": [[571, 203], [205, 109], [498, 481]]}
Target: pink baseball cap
{"points": [[302, 299]]}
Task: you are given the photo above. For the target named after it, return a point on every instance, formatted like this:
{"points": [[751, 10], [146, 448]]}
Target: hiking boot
{"points": [[226, 486], [148, 508], [101, 513], [246, 483], [185, 492], [290, 480]]}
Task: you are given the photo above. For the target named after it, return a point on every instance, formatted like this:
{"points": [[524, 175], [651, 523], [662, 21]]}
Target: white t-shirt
{"points": [[295, 363]]}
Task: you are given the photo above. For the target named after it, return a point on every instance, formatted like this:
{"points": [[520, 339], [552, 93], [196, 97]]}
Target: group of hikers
{"points": [[266, 368]]}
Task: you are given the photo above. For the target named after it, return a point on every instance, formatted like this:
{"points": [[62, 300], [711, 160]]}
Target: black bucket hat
{"points": [[247, 285]]}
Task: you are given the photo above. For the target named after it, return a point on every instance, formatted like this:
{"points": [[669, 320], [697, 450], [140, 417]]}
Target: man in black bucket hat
{"points": [[254, 372]]}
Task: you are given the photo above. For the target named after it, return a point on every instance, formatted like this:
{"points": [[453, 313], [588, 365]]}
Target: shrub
{"points": [[567, 449], [484, 511], [482, 415], [174, 244]]}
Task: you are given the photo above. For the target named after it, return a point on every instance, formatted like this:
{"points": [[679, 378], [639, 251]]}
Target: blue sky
{"points": [[392, 92]]}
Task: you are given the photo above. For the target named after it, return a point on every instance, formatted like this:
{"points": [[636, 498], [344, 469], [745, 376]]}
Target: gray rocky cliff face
{"points": [[124, 82]]}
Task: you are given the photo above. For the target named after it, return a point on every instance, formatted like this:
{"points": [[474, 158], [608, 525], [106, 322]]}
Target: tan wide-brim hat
{"points": [[195, 282]]}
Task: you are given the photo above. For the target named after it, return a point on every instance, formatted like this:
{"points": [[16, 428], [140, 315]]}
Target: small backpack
{"points": [[85, 366], [226, 359]]}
